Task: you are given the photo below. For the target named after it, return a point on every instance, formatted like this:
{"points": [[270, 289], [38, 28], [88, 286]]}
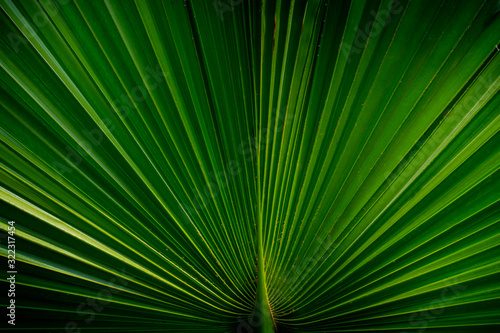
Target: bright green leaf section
{"points": [[251, 166]]}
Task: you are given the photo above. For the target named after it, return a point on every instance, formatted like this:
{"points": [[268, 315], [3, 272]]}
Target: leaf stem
{"points": [[262, 309]]}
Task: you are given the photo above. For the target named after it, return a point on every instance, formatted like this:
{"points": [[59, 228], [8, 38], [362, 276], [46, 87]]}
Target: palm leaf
{"points": [[328, 166]]}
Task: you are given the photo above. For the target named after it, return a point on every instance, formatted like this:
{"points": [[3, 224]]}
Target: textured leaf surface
{"points": [[301, 166]]}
